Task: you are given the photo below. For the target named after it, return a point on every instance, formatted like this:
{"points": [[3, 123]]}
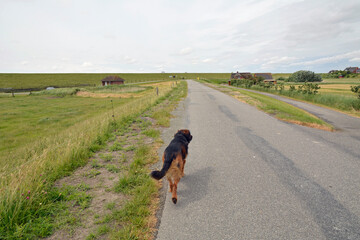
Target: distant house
{"points": [[112, 80], [241, 75], [267, 77], [352, 69]]}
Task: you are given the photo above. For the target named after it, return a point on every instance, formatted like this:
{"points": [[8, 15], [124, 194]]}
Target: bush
{"points": [[356, 90], [308, 88], [305, 76], [248, 82]]}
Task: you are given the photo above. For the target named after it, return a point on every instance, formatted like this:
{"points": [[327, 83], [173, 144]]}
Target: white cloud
{"points": [[129, 60], [209, 60], [277, 35], [238, 66], [87, 64], [276, 61], [56, 68], [332, 59], [160, 67], [357, 59], [186, 51]]}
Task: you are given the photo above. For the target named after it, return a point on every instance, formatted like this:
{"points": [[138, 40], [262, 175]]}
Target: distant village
{"points": [[348, 69]]}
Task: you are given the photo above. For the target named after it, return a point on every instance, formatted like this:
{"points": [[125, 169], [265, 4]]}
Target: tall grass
{"points": [[24, 119], [119, 89], [59, 92], [23, 190]]}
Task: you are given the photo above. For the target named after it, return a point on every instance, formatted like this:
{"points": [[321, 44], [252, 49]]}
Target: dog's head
{"points": [[186, 133]]}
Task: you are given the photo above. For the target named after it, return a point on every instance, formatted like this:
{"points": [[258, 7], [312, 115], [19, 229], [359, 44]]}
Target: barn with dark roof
{"points": [[267, 77], [241, 75], [112, 80]]}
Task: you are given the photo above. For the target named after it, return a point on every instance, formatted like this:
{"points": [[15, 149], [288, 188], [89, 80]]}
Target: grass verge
{"points": [[27, 197], [348, 104], [134, 216], [281, 110]]}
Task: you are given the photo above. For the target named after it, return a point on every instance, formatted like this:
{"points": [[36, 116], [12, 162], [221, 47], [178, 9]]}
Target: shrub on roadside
{"points": [[305, 76], [308, 88], [356, 90]]}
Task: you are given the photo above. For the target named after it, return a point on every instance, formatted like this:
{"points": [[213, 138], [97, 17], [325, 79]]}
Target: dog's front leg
{"points": [[183, 167]]}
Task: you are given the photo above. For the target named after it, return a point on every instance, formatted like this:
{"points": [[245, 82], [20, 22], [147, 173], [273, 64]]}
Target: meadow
{"points": [[41, 81], [46, 135]]}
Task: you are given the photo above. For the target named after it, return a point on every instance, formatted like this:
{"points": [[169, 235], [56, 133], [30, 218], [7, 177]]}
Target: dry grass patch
{"points": [[107, 95]]}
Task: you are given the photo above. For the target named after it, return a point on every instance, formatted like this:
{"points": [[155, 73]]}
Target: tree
{"points": [[305, 76]]}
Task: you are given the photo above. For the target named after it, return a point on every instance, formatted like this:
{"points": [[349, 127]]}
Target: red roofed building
{"points": [[352, 69], [112, 80]]}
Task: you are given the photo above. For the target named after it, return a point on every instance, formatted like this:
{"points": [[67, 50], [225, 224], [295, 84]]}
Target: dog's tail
{"points": [[167, 163]]}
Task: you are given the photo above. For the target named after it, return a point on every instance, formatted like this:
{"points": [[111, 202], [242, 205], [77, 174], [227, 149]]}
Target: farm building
{"points": [[112, 80], [241, 75], [267, 77], [352, 69]]}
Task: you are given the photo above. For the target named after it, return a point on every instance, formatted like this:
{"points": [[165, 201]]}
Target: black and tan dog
{"points": [[174, 159]]}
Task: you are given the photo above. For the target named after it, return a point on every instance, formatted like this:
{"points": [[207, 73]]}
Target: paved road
{"points": [[341, 122], [251, 176]]}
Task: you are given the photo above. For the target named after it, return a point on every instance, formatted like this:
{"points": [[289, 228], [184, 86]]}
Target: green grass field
{"points": [[25, 81], [46, 136], [24, 119]]}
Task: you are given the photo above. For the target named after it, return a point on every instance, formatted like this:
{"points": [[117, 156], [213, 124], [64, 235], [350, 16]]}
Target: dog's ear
{"points": [[177, 132]]}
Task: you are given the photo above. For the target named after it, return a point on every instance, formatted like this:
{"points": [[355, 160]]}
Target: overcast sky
{"points": [[74, 36]]}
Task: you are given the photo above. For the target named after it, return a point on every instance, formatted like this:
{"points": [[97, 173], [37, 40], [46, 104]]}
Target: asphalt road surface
{"points": [[251, 176]]}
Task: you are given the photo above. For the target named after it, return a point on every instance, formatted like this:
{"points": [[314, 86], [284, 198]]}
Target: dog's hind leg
{"points": [[174, 191], [170, 185]]}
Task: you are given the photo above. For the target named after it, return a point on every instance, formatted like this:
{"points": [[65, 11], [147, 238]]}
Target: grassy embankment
{"points": [[137, 182], [24, 81], [46, 137], [278, 109], [334, 93]]}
